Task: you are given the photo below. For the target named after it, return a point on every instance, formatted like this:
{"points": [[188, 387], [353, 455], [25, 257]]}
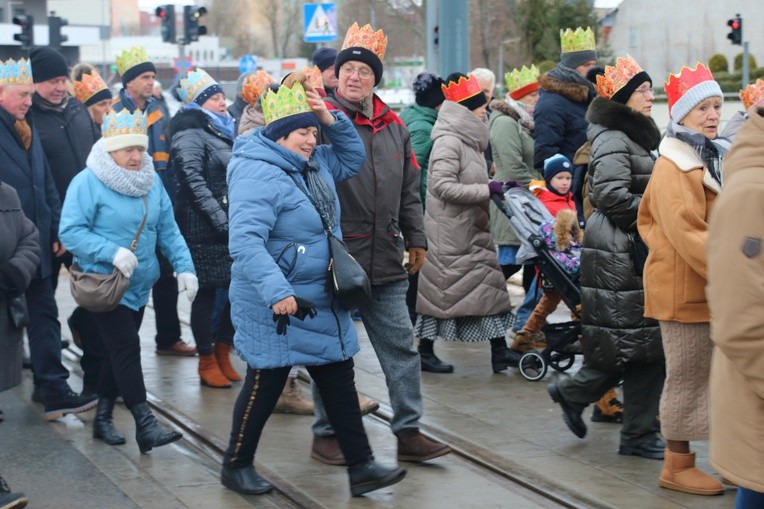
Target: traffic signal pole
{"points": [[746, 70]]}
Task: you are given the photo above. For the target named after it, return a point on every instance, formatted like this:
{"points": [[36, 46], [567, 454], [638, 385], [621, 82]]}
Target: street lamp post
{"points": [[500, 77]]}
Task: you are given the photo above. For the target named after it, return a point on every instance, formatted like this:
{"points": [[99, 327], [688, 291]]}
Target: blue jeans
{"points": [[391, 334], [44, 333], [749, 499], [526, 308]]}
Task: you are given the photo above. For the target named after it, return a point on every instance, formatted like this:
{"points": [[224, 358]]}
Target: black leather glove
{"points": [[304, 308]]}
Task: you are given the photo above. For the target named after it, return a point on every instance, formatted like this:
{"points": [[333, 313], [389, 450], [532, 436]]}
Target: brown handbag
{"points": [[100, 293]]}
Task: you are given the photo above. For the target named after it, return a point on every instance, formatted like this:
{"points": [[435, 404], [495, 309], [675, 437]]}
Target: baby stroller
{"points": [[526, 215]]}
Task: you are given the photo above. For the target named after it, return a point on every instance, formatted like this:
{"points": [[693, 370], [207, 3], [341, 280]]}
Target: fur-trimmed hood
{"points": [[577, 92], [640, 129], [503, 107]]}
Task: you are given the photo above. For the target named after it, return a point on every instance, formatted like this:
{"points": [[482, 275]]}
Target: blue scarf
{"points": [[225, 123]]}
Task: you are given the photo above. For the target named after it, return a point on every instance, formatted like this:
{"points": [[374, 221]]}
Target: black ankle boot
{"points": [[103, 426], [430, 362], [245, 480], [370, 475], [148, 432], [501, 356]]}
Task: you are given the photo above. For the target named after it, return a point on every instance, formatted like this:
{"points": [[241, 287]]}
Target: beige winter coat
{"points": [[461, 276], [736, 298]]}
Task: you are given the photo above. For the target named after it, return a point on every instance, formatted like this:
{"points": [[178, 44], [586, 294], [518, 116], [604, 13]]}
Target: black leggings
{"points": [[261, 390], [201, 321]]}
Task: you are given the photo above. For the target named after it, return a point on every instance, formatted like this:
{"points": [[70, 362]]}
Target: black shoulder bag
{"points": [[638, 252]]}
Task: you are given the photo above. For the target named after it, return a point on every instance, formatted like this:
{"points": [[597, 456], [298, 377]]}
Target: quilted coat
{"points": [[461, 275], [621, 162]]}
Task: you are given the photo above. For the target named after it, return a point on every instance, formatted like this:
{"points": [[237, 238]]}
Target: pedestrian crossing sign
{"points": [[320, 22]]}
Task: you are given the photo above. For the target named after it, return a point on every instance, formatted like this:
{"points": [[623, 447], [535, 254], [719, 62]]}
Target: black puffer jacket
{"points": [[199, 154], [615, 330]]}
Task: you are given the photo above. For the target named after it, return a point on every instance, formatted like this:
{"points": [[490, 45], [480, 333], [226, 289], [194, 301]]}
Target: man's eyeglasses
{"points": [[362, 72]]}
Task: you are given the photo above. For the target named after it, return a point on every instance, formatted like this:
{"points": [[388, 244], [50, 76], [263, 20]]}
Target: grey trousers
{"points": [[392, 336], [642, 386]]}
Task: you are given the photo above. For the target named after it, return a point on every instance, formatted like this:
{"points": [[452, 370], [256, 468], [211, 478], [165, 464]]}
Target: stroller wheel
{"points": [[561, 361], [532, 366]]}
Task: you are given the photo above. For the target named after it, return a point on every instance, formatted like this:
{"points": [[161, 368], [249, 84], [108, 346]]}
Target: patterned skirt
{"points": [[464, 328]]}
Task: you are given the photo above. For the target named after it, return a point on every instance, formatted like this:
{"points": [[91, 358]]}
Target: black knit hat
{"points": [[427, 90], [623, 95], [323, 58], [136, 71], [358, 54], [283, 126], [47, 64], [473, 102]]}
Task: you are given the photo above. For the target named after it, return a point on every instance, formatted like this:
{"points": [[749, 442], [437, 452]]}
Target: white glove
{"points": [[125, 261], [189, 283]]}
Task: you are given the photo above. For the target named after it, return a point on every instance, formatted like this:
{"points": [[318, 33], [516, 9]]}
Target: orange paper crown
{"points": [[462, 89], [88, 86], [678, 84], [367, 38], [254, 85], [752, 94], [616, 77], [314, 76]]}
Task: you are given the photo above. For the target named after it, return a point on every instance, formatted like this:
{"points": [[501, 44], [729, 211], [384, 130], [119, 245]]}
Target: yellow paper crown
{"points": [[616, 77], [367, 38], [314, 76], [88, 86], [580, 40], [131, 57], [752, 94], [14, 72], [285, 103], [124, 122], [519, 79], [254, 85]]}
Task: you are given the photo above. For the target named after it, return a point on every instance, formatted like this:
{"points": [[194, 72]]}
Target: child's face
{"points": [[562, 182]]}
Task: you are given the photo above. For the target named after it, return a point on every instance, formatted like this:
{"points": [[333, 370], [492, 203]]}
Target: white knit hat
{"points": [[688, 88]]}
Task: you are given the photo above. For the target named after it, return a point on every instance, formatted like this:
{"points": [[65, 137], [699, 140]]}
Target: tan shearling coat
{"points": [[673, 221], [461, 275], [736, 298]]}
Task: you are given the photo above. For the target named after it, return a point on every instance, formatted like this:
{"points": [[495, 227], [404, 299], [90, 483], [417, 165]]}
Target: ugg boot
{"points": [[103, 426], [210, 374], [608, 408], [148, 432], [223, 356], [291, 400], [523, 341], [679, 474]]}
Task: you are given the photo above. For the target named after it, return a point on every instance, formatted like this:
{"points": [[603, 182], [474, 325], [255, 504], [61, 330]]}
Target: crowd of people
{"points": [[237, 207]]}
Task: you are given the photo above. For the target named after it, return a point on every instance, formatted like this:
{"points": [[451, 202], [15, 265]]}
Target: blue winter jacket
{"points": [[96, 221], [279, 249]]}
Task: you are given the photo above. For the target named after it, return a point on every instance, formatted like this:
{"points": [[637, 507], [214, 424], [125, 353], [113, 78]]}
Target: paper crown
{"points": [[131, 57], [285, 103], [367, 38], [14, 72], [678, 84], [463, 89], [88, 86], [616, 77], [193, 84], [123, 122], [752, 94], [580, 40], [521, 82], [254, 85], [314, 76]]}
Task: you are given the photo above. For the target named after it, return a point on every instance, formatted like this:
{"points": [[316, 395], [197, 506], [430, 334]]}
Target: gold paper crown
{"points": [[88, 86], [752, 94], [254, 85], [124, 122], [314, 76], [580, 40], [367, 38], [193, 83], [285, 103], [616, 77], [14, 72], [131, 57], [519, 80], [463, 89]]}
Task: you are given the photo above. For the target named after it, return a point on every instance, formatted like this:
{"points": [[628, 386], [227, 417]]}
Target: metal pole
{"points": [[500, 76], [431, 62], [182, 59], [746, 75]]}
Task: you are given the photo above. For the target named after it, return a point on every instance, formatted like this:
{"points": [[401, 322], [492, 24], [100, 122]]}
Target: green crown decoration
{"points": [[520, 78], [285, 103], [131, 57], [580, 40]]}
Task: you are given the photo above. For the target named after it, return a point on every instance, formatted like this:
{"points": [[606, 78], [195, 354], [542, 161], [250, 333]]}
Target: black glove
{"points": [[304, 308]]}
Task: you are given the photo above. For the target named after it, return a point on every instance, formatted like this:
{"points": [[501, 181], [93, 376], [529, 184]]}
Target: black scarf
{"points": [[711, 152], [323, 197]]}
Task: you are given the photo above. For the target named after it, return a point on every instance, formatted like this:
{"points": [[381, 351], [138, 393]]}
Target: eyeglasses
{"points": [[645, 91], [362, 72]]}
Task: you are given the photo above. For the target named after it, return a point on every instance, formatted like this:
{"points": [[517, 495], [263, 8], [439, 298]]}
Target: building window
{"points": [[633, 31]]}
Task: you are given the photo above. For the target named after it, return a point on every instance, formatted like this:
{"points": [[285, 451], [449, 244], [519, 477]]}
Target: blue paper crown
{"points": [[124, 122], [14, 72], [194, 84]]}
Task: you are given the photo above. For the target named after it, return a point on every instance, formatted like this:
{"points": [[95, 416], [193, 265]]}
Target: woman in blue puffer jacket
{"points": [[280, 260]]}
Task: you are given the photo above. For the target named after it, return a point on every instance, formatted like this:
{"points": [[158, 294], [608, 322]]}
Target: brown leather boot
{"points": [[608, 408], [413, 446], [210, 374], [679, 474], [222, 353], [327, 450], [367, 405], [291, 400]]}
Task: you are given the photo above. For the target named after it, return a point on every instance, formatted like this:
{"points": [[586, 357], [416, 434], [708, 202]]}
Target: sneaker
{"points": [[37, 394], [178, 348], [68, 403], [9, 499], [652, 448]]}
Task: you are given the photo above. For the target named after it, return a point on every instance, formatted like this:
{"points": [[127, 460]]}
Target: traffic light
{"points": [[191, 28], [26, 37], [736, 30], [55, 38], [166, 13]]}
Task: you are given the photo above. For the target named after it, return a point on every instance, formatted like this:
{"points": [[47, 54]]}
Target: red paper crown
{"points": [[678, 84], [462, 89]]}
